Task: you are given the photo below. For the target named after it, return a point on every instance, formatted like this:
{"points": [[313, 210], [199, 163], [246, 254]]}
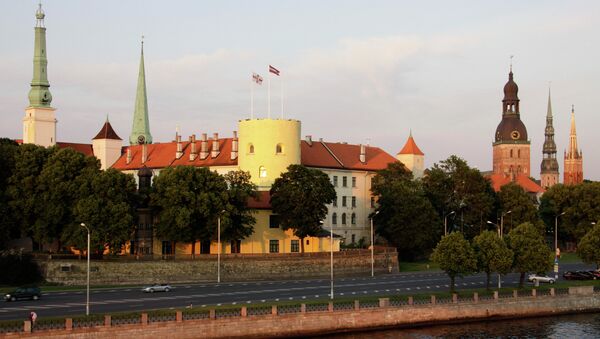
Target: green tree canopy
{"points": [[404, 216], [106, 205], [8, 223], [452, 186], [300, 197], [531, 253], [188, 201], [513, 198], [238, 220], [455, 256], [588, 248], [493, 255]]}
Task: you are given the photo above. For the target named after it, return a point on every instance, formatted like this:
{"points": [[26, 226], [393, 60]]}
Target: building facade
{"points": [[573, 157]]}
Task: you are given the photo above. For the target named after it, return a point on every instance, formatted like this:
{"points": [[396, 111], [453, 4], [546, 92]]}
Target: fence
{"points": [[190, 314]]}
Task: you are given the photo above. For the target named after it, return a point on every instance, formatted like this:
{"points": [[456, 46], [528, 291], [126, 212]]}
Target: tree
{"points": [[106, 205], [453, 186], [455, 256], [238, 219], [531, 253], [8, 224], [513, 197], [188, 201], [299, 196], [588, 248], [404, 216], [493, 255], [555, 201]]}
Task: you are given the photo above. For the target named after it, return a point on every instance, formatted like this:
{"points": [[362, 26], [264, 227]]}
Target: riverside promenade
{"points": [[320, 318]]}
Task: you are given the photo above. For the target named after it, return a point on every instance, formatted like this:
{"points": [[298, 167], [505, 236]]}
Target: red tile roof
{"points": [[263, 202], [223, 159], [530, 186], [85, 149], [107, 132], [411, 147], [343, 156]]}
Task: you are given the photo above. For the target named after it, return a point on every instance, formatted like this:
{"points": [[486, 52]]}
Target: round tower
{"points": [[267, 147]]}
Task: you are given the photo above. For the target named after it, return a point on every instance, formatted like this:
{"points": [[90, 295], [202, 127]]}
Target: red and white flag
{"points": [[257, 78], [273, 70]]}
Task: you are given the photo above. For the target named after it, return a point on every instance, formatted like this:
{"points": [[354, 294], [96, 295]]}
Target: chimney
{"points": [[234, 146], [144, 153], [215, 146], [194, 152], [309, 140], [363, 153], [179, 152], [128, 155], [203, 147], [320, 139]]}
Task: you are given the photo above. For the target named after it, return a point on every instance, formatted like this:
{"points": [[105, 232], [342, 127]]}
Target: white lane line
{"points": [[234, 303], [291, 298], [303, 297], [248, 302], [353, 293], [128, 290]]}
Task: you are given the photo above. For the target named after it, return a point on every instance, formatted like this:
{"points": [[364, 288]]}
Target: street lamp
{"points": [[331, 257], [497, 226], [556, 244], [446, 222], [219, 246], [87, 302], [502, 222], [373, 246]]}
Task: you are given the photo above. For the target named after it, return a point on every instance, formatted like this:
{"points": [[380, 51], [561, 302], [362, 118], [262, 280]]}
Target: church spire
{"points": [[549, 165], [140, 133], [573, 133], [39, 94], [573, 157]]}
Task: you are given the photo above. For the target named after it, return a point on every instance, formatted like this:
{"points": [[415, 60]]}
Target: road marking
{"points": [[218, 304], [316, 295], [387, 290], [128, 290], [234, 303], [276, 299], [341, 293], [376, 291], [428, 287], [353, 292], [291, 298], [303, 297], [248, 302], [262, 301], [397, 289]]}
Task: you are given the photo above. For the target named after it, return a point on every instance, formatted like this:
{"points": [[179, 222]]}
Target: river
{"points": [[564, 326]]}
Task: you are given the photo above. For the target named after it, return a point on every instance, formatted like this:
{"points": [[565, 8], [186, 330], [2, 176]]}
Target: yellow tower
{"points": [[267, 147]]}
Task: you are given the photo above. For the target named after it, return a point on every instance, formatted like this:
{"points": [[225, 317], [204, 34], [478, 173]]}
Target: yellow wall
{"points": [[264, 135]]}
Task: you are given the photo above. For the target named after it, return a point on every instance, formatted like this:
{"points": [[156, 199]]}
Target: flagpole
{"points": [[281, 83], [251, 98], [269, 96]]}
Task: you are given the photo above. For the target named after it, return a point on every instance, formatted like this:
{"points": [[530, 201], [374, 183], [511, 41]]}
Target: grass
{"points": [[569, 258], [407, 266]]}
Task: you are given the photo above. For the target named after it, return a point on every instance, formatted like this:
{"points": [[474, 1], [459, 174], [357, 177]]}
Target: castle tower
{"points": [[39, 123], [573, 157], [412, 157], [140, 132], [107, 146], [267, 147], [511, 148], [549, 165]]}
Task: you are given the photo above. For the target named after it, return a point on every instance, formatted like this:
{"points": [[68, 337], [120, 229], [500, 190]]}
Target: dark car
{"points": [[595, 274], [577, 275], [32, 293]]}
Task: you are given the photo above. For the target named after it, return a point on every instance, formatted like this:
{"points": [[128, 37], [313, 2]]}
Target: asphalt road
{"points": [[246, 293]]}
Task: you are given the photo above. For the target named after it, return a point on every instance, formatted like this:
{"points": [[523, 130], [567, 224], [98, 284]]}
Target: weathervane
{"points": [[511, 57]]}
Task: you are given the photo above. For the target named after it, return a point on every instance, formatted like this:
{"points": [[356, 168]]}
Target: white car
{"points": [[540, 278], [157, 288]]}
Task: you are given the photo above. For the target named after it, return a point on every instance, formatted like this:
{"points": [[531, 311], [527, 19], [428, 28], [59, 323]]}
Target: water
{"points": [[566, 326]]}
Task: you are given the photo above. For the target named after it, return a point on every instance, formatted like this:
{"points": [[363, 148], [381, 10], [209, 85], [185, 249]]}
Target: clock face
{"points": [[45, 96], [515, 135], [141, 139]]}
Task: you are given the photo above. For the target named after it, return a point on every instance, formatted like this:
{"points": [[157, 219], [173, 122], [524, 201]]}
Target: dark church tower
{"points": [[549, 166], [511, 146]]}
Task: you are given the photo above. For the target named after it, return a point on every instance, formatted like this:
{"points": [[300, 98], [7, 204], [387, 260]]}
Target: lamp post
{"points": [[446, 222], [373, 246], [87, 302], [502, 222], [331, 257], [556, 244]]}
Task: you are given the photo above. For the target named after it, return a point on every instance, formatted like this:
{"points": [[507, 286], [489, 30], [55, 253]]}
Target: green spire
{"points": [[39, 95], [140, 133]]}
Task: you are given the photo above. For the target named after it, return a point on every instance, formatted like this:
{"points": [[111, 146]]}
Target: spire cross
{"points": [[511, 57], [572, 108], [142, 39]]}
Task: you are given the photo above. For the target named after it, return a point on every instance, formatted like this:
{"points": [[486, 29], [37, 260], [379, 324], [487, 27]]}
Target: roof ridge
{"points": [[332, 154]]}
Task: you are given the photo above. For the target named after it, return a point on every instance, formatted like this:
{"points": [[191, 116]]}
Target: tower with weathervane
{"points": [[140, 132], [511, 148], [39, 123], [549, 165]]}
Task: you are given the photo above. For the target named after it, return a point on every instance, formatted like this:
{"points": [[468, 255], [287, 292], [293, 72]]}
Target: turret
{"points": [[107, 146], [412, 157]]}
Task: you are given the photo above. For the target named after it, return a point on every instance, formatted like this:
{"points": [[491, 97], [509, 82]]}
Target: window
{"points": [[251, 149], [279, 149], [353, 201], [335, 202], [353, 238], [273, 246], [344, 201], [518, 153], [334, 219], [262, 172], [353, 219], [353, 181], [372, 202], [511, 153], [335, 181], [344, 181], [273, 221], [343, 218], [295, 248]]}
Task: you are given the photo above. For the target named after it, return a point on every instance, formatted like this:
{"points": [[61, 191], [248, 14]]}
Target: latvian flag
{"points": [[273, 70], [257, 78]]}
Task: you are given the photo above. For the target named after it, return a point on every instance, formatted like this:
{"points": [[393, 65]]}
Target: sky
{"points": [[351, 71]]}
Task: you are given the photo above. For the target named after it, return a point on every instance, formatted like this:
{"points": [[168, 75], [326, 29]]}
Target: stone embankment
{"points": [[311, 319]]}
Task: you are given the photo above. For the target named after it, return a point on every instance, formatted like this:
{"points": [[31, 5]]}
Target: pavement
{"points": [[104, 301]]}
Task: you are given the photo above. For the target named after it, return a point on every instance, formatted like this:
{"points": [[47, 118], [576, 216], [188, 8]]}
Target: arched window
{"points": [[262, 172], [511, 153], [353, 219], [251, 149], [334, 219], [343, 218], [279, 149], [518, 153]]}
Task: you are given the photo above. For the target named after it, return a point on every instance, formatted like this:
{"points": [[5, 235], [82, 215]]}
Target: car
{"points": [[540, 278], [32, 293], [595, 274], [157, 288], [587, 274], [575, 275]]}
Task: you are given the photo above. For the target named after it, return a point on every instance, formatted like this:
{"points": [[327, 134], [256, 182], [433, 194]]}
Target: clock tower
{"points": [[140, 132], [511, 147], [39, 123]]}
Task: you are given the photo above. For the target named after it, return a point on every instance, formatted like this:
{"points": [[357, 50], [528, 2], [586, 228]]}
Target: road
{"points": [[246, 293]]}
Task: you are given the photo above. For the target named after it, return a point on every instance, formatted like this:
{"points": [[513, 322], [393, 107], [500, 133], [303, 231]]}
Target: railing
{"points": [[190, 314]]}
